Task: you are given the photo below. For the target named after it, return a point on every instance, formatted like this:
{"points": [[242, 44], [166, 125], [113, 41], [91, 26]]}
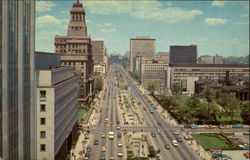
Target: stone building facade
{"points": [[141, 46], [75, 49]]}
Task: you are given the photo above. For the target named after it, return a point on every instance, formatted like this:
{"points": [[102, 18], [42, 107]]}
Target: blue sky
{"points": [[217, 27]]}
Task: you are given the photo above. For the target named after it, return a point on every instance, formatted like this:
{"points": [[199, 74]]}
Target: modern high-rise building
{"points": [[17, 99], [75, 49], [183, 54], [141, 46]]}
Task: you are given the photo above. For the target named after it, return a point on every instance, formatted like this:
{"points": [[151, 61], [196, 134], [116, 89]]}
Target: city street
{"points": [[109, 119]]}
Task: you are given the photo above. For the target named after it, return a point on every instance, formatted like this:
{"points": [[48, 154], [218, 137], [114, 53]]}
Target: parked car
{"points": [[210, 127], [175, 143], [167, 146], [194, 126], [176, 132], [178, 138], [237, 126]]}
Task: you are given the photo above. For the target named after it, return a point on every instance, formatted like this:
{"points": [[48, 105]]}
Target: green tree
{"points": [[98, 84], [176, 89], [245, 112], [209, 94], [231, 104], [152, 152], [151, 86]]}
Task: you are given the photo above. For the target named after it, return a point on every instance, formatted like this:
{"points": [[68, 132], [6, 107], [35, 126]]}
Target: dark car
{"points": [[178, 138], [119, 135], [96, 142]]}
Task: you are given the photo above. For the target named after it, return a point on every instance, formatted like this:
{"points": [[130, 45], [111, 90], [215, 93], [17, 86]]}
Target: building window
{"points": [[42, 108], [42, 147], [42, 134], [42, 121], [42, 94]]}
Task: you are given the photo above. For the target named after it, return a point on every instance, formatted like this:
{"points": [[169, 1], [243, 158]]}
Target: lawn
{"points": [[83, 114], [214, 141]]}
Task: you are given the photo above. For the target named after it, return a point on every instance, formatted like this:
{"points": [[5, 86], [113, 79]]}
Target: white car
{"points": [[103, 135], [176, 132], [175, 143], [118, 127], [120, 154], [119, 144], [103, 149]]}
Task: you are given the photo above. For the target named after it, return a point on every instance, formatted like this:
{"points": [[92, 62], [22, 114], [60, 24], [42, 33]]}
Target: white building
{"points": [[57, 99]]}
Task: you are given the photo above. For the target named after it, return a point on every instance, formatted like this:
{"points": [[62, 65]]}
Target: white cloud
{"points": [[64, 12], [149, 10], [215, 21], [244, 15], [242, 23], [42, 6], [49, 20], [108, 30], [216, 3], [107, 27]]}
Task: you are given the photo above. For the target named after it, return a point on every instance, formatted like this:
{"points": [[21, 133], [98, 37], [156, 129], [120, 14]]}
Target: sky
{"points": [[216, 27]]}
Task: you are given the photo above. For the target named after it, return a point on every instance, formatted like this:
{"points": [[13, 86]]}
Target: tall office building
{"points": [[17, 40], [141, 46], [98, 51], [75, 49], [183, 54]]}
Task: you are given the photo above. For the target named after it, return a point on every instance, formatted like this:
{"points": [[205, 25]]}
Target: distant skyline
{"points": [[216, 27]]}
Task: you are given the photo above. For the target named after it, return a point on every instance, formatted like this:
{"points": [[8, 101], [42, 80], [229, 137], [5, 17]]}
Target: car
{"points": [[118, 127], [111, 158], [96, 142], [153, 134], [103, 135], [120, 154], [119, 135], [111, 122], [167, 146], [102, 156], [210, 127], [176, 132], [237, 126], [194, 126], [178, 138], [175, 143], [119, 144], [103, 149], [106, 120]]}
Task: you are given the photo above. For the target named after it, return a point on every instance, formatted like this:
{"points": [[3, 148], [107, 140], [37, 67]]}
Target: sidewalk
{"points": [[77, 152]]}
